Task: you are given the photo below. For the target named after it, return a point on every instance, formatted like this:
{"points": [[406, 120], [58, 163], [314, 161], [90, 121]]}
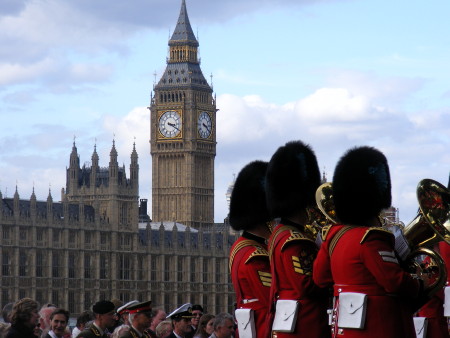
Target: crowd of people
{"points": [[296, 275], [113, 319]]}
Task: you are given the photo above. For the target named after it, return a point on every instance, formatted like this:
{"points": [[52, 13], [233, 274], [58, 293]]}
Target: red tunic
{"points": [[363, 260], [251, 277], [434, 310], [292, 256]]}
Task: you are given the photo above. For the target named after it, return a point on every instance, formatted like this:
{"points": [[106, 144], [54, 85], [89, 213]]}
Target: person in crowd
{"points": [[44, 313], [223, 326], [158, 315], [205, 326], [104, 317], [24, 319], [6, 312], [181, 321], [292, 179], [164, 329], [197, 312], [82, 320], [59, 319], [140, 317], [374, 296], [249, 258], [122, 313]]}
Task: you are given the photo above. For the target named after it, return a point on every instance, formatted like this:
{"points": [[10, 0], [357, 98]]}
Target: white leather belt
{"points": [[245, 301]]}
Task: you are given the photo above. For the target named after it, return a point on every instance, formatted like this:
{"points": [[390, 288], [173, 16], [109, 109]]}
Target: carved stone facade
{"points": [[91, 247]]}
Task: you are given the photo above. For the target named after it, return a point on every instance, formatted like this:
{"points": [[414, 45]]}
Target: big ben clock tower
{"points": [[183, 135]]}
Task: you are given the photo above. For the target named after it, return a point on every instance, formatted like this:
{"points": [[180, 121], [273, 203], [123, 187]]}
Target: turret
{"points": [[74, 171], [134, 170]]}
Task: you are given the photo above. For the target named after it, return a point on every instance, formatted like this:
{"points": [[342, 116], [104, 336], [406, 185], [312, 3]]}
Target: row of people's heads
{"points": [[287, 185]]}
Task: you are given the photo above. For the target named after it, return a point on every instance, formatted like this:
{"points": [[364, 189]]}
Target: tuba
{"points": [[429, 227]]}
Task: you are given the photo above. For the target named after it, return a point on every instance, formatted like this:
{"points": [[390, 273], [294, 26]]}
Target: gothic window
{"points": [[166, 268], [217, 270], [180, 269], [88, 300], [39, 264], [5, 296], [6, 264], [71, 265], [87, 266], [124, 267], [56, 265], [23, 264], [192, 270], [56, 236], [205, 270], [103, 267], [71, 299], [153, 268], [55, 297], [23, 234], [5, 232]]}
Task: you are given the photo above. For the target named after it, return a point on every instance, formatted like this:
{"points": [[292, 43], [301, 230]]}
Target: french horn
{"points": [[430, 226]]}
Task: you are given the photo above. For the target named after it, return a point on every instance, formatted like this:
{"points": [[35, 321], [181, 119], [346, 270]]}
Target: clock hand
{"points": [[173, 125], [204, 125]]}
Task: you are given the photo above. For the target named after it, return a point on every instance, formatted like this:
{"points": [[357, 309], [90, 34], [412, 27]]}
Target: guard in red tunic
{"points": [[298, 306], [374, 296], [249, 258], [433, 310]]}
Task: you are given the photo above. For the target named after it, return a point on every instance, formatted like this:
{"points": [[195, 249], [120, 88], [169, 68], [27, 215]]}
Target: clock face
{"points": [[170, 124], [204, 125]]}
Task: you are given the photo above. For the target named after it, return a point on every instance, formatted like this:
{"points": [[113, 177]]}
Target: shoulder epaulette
{"points": [[296, 236], [371, 230], [239, 246], [258, 252], [324, 232]]}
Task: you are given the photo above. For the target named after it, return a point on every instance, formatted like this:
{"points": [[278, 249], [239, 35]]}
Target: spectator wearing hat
{"points": [[24, 319], [104, 317], [357, 254], [249, 259], [122, 313], [140, 317], [292, 179], [181, 321], [59, 319]]}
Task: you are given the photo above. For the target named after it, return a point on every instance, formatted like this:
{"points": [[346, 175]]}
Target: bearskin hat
{"points": [[361, 185], [292, 179], [248, 198]]}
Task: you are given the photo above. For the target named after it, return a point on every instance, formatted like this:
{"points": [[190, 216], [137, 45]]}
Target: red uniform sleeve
{"points": [[377, 253], [322, 275], [257, 276]]}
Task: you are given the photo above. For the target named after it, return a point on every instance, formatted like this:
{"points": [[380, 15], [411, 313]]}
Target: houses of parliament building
{"points": [[99, 243]]}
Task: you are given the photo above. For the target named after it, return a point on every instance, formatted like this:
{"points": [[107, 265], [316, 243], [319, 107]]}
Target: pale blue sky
{"points": [[334, 74]]}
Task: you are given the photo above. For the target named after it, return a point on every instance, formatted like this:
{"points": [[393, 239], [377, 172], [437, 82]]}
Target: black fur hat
{"points": [[361, 185], [292, 179], [248, 198]]}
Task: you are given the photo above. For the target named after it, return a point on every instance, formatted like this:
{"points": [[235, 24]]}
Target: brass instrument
{"points": [[429, 227], [317, 217]]}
